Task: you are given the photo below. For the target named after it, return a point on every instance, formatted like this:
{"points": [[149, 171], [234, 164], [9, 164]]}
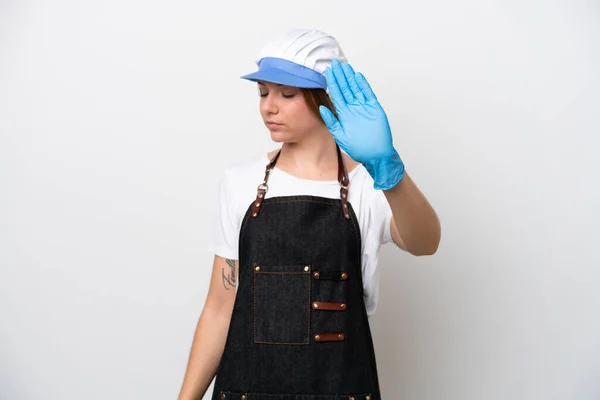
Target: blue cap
{"points": [[284, 72], [297, 57]]}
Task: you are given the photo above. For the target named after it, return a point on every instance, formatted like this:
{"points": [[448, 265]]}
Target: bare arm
{"points": [[211, 330], [415, 224]]}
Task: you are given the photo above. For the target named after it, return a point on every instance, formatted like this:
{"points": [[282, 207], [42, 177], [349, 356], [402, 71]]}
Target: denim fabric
{"points": [[271, 352], [267, 396]]}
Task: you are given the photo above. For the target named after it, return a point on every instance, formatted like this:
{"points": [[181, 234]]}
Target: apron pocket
{"points": [[282, 304]]}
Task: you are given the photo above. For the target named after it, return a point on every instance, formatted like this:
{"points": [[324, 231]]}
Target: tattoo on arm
{"points": [[229, 276]]}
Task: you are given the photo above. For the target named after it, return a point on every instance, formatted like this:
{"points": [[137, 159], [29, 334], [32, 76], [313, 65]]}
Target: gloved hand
{"points": [[361, 129]]}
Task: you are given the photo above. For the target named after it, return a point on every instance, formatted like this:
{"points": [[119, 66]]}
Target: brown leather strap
{"points": [[263, 187], [342, 179], [328, 306], [344, 182], [328, 337], [331, 275]]}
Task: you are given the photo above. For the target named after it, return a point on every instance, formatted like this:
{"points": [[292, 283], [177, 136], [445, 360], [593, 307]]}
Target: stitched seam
{"points": [[291, 273], [357, 396], [309, 311], [333, 202], [276, 343]]}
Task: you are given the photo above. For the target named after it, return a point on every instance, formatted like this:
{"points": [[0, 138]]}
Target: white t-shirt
{"points": [[238, 186]]}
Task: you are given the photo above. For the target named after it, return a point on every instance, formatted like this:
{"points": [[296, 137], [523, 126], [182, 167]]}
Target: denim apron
{"points": [[299, 328]]}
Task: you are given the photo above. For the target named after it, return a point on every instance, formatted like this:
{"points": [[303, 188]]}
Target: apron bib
{"points": [[299, 328]]}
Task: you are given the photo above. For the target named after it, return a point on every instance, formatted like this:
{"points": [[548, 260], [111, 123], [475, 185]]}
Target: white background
{"points": [[117, 117]]}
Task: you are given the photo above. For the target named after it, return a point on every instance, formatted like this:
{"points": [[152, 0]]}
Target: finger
{"points": [[340, 78], [334, 90], [365, 87], [330, 120], [351, 78], [332, 124]]}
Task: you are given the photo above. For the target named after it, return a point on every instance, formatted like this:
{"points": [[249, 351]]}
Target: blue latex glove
{"points": [[361, 129]]}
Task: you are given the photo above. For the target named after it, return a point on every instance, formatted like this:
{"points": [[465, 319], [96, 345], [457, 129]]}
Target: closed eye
{"points": [[286, 96]]}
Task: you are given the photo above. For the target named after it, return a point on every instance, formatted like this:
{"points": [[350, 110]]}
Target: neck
{"points": [[314, 157]]}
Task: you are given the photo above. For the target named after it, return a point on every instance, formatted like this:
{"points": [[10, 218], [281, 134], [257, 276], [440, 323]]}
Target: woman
{"points": [[294, 278]]}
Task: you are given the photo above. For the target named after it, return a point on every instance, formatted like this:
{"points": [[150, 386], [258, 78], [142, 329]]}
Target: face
{"points": [[285, 113]]}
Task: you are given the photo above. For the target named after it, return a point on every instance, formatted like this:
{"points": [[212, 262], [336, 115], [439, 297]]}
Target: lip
{"points": [[272, 124]]}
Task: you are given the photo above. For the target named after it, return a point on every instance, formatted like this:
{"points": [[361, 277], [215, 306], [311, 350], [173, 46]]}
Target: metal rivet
{"points": [[243, 397], [345, 205], [254, 215], [257, 204], [315, 305], [316, 275], [260, 196], [306, 268], [368, 397], [257, 268], [317, 337], [344, 275], [346, 215], [351, 398], [344, 195], [343, 306], [222, 395]]}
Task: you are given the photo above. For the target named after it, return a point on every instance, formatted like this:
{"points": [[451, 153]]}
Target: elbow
{"points": [[429, 251], [424, 251], [427, 247]]}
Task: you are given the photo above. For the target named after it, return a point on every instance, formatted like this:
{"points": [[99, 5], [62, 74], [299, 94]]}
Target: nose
{"points": [[268, 104]]}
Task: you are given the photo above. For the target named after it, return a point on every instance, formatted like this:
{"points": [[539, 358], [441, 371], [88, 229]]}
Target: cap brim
{"points": [[281, 77]]}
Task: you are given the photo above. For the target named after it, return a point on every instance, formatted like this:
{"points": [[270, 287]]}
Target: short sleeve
{"points": [[224, 240], [380, 214]]}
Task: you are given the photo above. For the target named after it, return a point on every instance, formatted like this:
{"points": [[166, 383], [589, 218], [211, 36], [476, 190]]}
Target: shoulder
{"points": [[372, 204], [350, 163], [361, 180], [241, 177]]}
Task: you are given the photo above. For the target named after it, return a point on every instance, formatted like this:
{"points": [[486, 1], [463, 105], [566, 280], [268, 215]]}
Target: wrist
{"points": [[386, 171]]}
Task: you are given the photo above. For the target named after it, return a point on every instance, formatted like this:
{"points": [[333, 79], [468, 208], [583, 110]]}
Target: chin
{"points": [[280, 137]]}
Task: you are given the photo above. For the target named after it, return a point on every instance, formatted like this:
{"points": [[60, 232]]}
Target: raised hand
{"points": [[361, 128]]}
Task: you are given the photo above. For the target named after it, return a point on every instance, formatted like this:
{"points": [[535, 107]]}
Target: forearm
{"points": [[416, 220], [206, 352]]}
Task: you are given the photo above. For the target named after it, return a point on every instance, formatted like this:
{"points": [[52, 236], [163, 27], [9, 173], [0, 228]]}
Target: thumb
{"points": [[330, 120]]}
